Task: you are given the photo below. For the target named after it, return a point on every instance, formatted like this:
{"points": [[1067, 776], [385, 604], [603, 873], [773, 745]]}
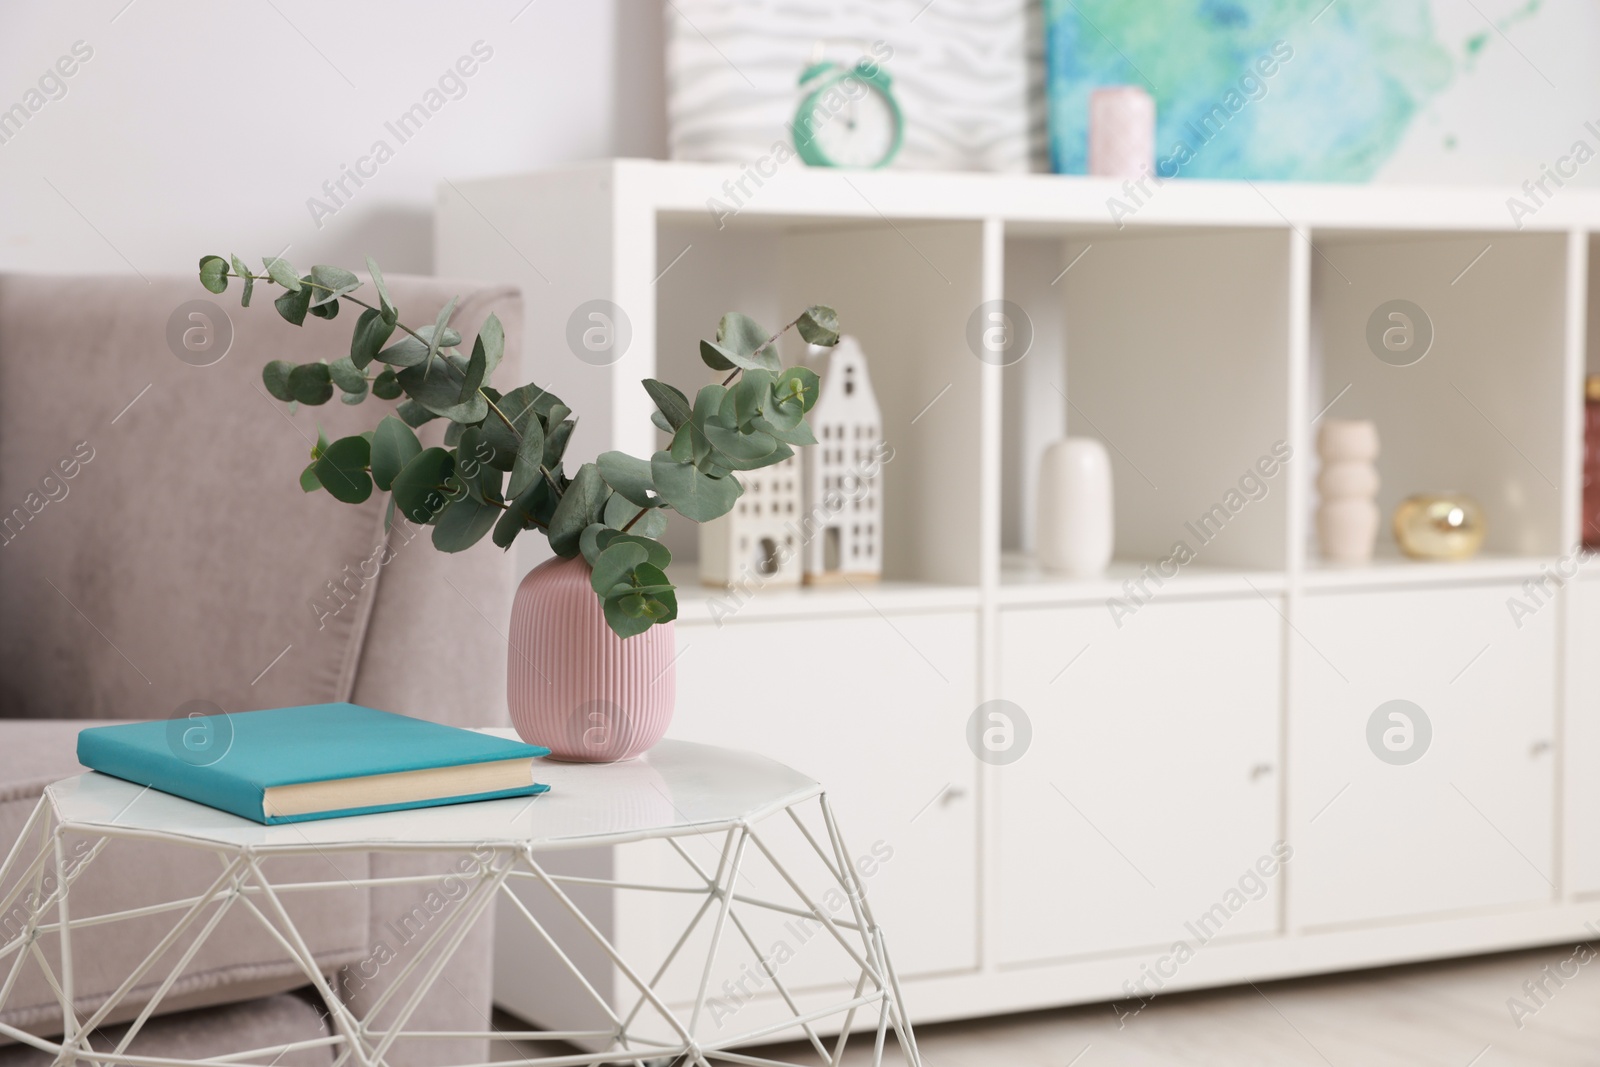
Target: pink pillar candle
{"points": [[1122, 132]]}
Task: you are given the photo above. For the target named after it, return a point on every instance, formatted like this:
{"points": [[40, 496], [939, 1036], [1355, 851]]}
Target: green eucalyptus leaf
{"points": [[410, 352], [707, 402], [819, 325], [385, 304], [311, 383], [308, 478], [386, 386], [371, 333], [352, 399], [507, 527], [653, 579], [555, 442], [323, 311], [661, 422], [740, 448], [629, 476], [282, 272], [626, 621], [799, 383], [463, 523], [477, 369], [244, 274], [437, 337], [292, 305], [742, 341], [413, 414], [346, 376], [275, 376], [655, 552], [589, 542], [620, 512], [691, 492], [419, 489], [437, 386], [614, 566], [492, 338], [530, 456], [713, 357], [582, 503], [777, 455], [214, 273], [745, 400], [393, 446], [342, 469], [330, 283], [518, 407], [799, 434], [480, 478], [673, 405]]}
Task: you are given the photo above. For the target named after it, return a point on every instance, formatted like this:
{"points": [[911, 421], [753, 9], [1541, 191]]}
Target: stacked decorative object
{"points": [[1347, 518], [1073, 531]]}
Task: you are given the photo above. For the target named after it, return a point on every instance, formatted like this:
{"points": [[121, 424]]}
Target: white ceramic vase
{"points": [[1073, 524]]}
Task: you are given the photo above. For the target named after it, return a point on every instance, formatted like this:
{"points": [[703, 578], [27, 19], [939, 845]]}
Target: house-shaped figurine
{"points": [[844, 492], [758, 542]]}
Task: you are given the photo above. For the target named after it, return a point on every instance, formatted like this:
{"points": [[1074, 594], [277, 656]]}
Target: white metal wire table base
{"points": [[38, 875]]}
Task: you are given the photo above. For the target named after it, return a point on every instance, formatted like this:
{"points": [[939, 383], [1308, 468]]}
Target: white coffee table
{"points": [[677, 791]]}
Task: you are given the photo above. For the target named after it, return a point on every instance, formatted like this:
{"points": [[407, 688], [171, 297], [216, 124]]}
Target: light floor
{"points": [[1451, 1014]]}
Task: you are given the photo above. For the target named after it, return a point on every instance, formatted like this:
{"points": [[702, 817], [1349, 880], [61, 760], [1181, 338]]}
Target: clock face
{"points": [[860, 133]]}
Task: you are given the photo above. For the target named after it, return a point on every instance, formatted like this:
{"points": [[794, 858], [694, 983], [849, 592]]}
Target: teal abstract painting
{"points": [[1273, 89]]}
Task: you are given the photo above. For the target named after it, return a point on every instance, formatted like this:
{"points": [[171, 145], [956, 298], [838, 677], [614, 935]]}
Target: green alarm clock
{"points": [[849, 117]]}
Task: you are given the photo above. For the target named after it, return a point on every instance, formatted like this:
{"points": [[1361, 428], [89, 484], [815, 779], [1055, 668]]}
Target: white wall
{"points": [[199, 127]]}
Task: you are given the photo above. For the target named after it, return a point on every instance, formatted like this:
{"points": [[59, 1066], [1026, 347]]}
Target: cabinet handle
{"points": [[1539, 748], [1260, 771], [954, 792]]}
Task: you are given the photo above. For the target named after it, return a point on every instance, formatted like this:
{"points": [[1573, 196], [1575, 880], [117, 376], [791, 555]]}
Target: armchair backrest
{"points": [[155, 546]]}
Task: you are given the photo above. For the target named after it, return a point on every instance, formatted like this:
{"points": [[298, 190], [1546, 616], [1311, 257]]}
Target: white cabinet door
{"points": [[1138, 816], [1467, 824], [1582, 762], [874, 708]]}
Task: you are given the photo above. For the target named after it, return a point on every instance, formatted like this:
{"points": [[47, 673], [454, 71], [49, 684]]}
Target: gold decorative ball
{"points": [[1439, 526]]}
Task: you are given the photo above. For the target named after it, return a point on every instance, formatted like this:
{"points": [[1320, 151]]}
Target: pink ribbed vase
{"points": [[573, 685]]}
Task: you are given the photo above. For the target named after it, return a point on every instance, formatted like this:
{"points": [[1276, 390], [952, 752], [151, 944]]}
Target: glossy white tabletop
{"points": [[675, 788]]}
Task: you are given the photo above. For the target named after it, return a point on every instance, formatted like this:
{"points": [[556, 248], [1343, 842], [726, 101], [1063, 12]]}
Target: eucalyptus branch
{"points": [[769, 341], [460, 490]]}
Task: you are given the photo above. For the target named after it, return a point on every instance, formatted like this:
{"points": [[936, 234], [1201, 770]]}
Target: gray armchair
{"points": [[155, 550]]}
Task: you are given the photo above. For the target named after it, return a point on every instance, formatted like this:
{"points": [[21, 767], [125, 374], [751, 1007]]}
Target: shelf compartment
{"points": [[905, 292], [1481, 412], [1170, 346]]}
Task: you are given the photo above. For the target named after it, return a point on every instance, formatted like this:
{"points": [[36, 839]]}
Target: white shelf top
{"points": [[676, 787], [702, 190], [698, 604], [1023, 581], [1398, 570]]}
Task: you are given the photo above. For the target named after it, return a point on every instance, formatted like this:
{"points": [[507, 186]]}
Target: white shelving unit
{"points": [[1175, 744]]}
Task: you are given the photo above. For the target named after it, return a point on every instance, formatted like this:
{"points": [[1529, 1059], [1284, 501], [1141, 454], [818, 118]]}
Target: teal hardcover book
{"points": [[321, 761]]}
